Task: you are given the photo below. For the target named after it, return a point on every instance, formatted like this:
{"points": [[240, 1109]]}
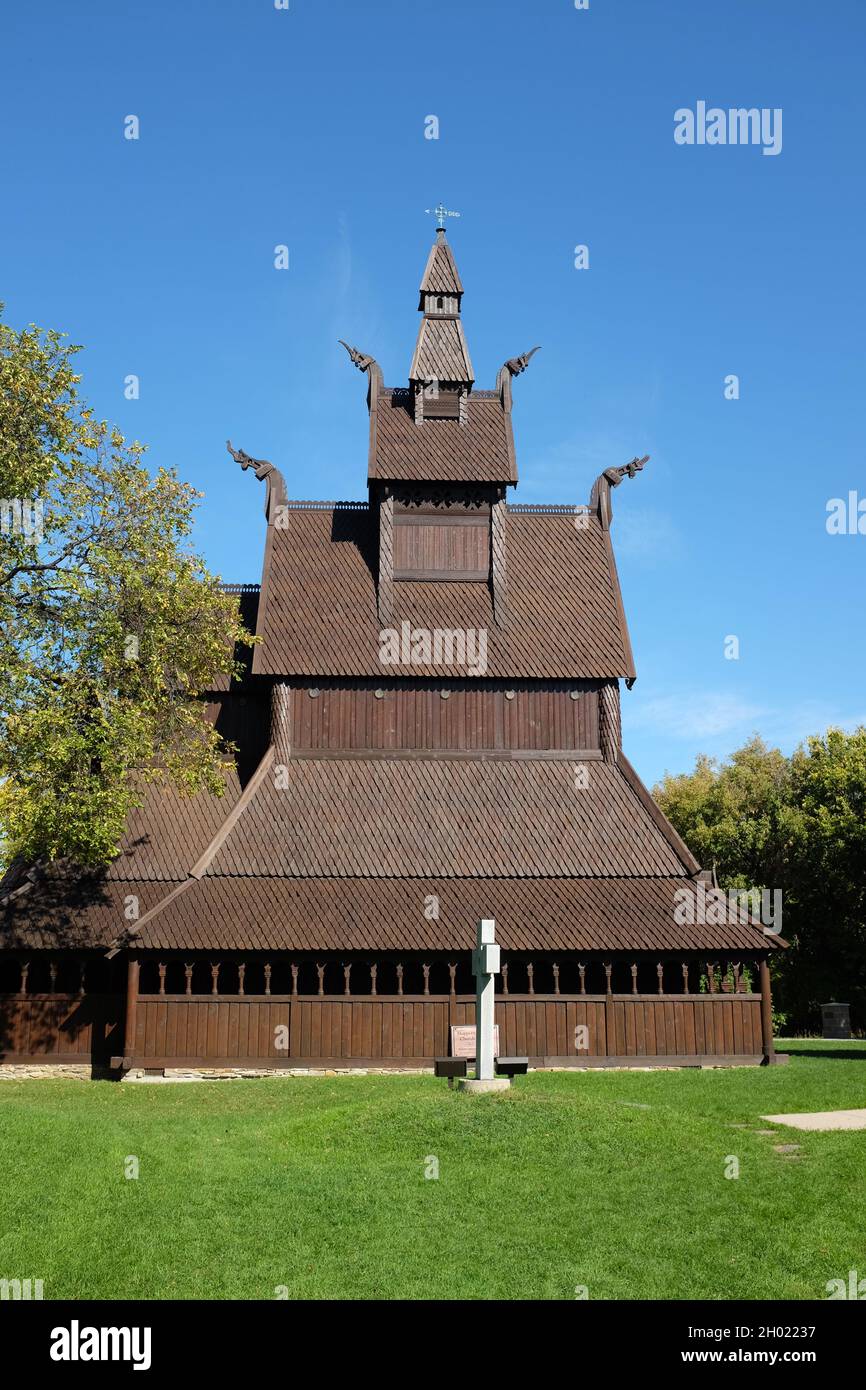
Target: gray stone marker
{"points": [[485, 967]]}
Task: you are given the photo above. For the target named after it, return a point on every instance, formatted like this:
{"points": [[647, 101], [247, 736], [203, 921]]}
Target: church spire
{"points": [[441, 358]]}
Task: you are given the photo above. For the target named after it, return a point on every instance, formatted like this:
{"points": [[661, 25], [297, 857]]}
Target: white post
{"points": [[485, 966]]}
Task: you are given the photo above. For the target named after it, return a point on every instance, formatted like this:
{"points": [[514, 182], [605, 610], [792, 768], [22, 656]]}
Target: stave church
{"points": [[427, 733]]}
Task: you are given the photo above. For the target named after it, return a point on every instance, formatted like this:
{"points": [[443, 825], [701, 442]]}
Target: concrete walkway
{"points": [[822, 1119]]}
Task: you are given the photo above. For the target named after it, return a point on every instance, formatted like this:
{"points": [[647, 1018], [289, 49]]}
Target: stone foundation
{"points": [[40, 1071]]}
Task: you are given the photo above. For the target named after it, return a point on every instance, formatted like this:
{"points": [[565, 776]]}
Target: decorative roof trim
{"points": [[266, 472]]}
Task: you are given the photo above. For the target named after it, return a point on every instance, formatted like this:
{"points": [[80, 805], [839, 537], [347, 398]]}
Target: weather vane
{"points": [[440, 213]]}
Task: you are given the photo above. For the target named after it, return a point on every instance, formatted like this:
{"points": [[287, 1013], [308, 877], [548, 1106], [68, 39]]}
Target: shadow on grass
{"points": [[824, 1049]]}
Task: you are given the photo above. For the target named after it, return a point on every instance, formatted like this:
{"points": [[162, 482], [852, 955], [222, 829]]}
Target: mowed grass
{"points": [[612, 1180]]}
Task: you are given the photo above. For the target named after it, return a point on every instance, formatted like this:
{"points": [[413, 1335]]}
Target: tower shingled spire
{"points": [[441, 355]]}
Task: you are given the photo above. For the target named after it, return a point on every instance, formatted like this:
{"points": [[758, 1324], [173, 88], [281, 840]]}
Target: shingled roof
{"points": [[441, 275], [318, 612], [345, 855], [479, 450]]}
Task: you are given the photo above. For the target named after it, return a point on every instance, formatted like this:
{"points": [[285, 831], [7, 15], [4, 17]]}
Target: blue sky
{"points": [[305, 127]]}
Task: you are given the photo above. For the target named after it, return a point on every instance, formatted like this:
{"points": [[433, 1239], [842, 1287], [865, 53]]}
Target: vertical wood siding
{"points": [[418, 718], [335, 1028]]}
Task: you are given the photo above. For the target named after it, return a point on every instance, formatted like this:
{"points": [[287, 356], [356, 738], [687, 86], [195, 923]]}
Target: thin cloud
{"points": [[697, 714]]}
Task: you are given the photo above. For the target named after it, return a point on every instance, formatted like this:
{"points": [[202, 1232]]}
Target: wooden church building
{"points": [[428, 732]]}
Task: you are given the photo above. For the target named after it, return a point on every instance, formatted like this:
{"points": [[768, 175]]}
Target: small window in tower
{"points": [[440, 302]]}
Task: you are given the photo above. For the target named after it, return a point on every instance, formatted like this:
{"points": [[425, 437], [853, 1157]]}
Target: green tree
{"points": [[738, 816], [110, 625], [799, 824], [828, 955]]}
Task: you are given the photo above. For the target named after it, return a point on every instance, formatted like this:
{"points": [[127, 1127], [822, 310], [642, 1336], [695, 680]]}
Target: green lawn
{"points": [[612, 1180]]}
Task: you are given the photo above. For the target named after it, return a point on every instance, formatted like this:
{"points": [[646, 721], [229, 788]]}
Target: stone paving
{"points": [[821, 1119]]}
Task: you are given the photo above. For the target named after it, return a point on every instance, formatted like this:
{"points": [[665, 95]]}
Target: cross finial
{"points": [[440, 212]]}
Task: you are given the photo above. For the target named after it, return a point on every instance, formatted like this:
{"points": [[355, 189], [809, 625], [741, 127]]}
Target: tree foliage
{"points": [[799, 824], [110, 625]]}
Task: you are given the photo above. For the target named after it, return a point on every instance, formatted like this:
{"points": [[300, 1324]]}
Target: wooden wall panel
{"points": [[428, 547], [70, 1026], [407, 717], [201, 1028]]}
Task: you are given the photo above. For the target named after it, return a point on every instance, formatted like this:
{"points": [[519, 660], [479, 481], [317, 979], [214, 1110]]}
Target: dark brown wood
{"points": [[133, 970], [409, 720], [768, 1049]]}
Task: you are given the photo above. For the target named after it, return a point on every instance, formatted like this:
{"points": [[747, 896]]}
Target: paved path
{"points": [[822, 1119]]}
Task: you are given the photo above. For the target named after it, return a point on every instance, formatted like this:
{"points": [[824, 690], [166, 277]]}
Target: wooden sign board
{"points": [[463, 1040]]}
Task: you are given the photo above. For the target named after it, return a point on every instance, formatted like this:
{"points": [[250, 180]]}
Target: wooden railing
{"points": [[385, 1013]]}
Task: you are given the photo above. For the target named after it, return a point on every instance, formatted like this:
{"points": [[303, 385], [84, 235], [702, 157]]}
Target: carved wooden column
{"points": [[386, 558], [132, 976], [768, 1047], [281, 721], [609, 1014], [187, 973], [497, 561], [610, 736]]}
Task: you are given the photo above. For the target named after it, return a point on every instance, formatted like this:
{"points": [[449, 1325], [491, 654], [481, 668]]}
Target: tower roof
{"points": [[440, 274], [441, 353]]}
